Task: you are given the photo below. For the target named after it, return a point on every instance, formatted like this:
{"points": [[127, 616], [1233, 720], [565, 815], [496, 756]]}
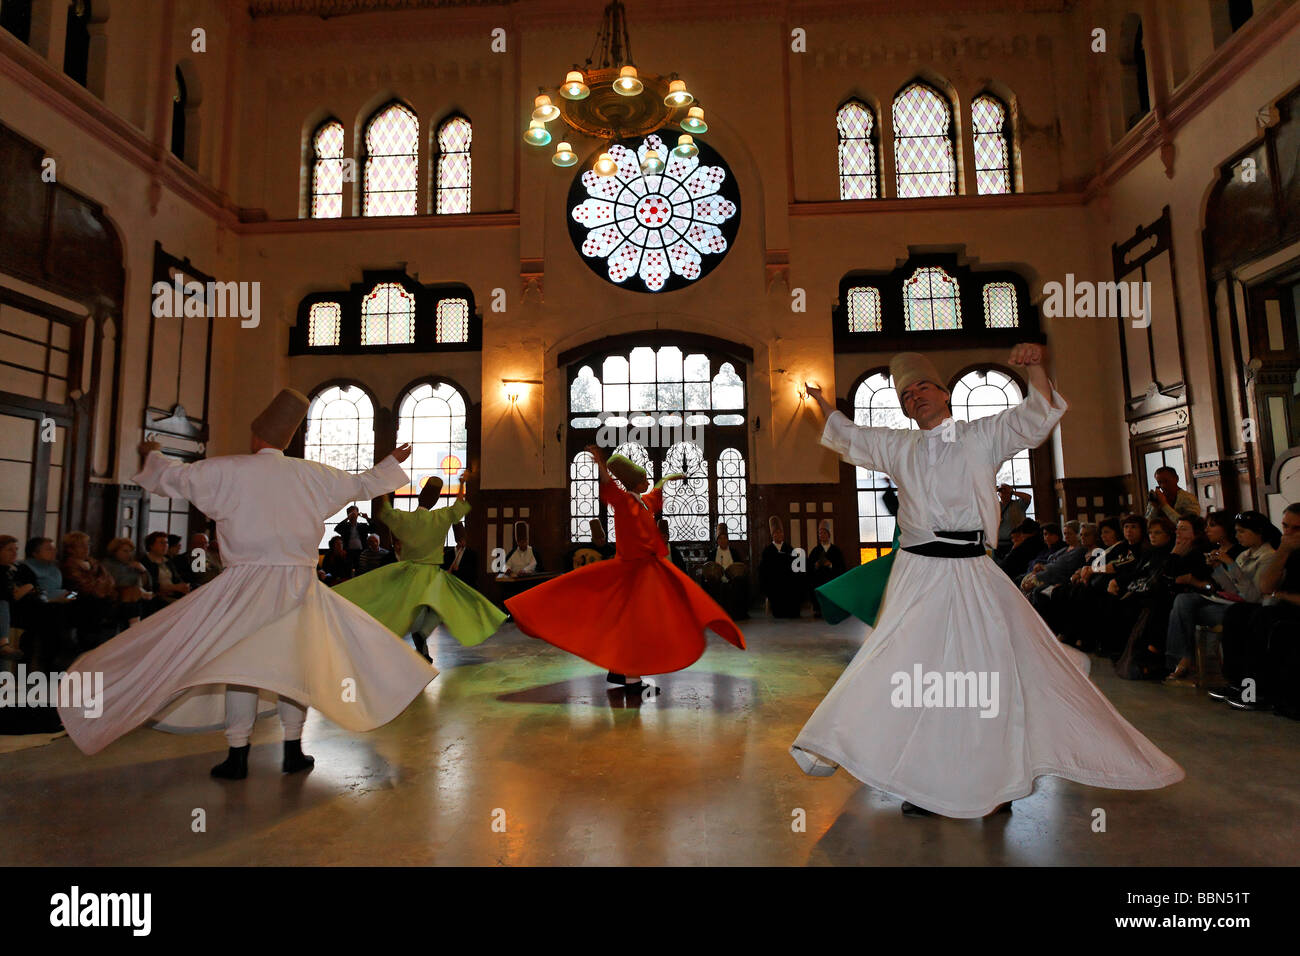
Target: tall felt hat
{"points": [[279, 420], [774, 524], [625, 470], [908, 368], [430, 490]]}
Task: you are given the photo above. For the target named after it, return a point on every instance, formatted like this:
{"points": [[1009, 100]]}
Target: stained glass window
{"points": [[649, 231], [733, 496], [1000, 306], [453, 182], [388, 316], [930, 301], [686, 502], [982, 392], [341, 433], [638, 454], [451, 322], [925, 159], [875, 404], [857, 128], [584, 496], [864, 309], [432, 418], [392, 170], [327, 171], [992, 148], [323, 322]]}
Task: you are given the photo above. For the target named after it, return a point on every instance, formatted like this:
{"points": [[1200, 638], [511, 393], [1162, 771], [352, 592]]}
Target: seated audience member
{"points": [[1258, 639], [130, 578], [1091, 611], [725, 578], [1109, 544], [1219, 532], [461, 560], [1013, 506], [1142, 616], [11, 592], [211, 562], [374, 556], [1235, 580], [1168, 500], [43, 612], [93, 614], [1058, 568], [825, 562], [336, 566], [182, 565], [1026, 544], [1053, 541], [165, 581], [354, 530], [585, 552], [782, 584], [522, 559]]}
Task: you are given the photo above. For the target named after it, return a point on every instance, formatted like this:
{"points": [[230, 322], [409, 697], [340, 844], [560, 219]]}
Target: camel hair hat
{"points": [[908, 368], [280, 419], [625, 470]]}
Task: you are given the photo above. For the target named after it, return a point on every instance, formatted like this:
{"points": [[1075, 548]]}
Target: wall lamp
{"points": [[514, 388]]}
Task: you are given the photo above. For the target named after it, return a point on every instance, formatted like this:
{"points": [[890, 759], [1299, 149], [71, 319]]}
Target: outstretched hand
{"points": [[1028, 353], [145, 447], [402, 452], [597, 453], [816, 394]]}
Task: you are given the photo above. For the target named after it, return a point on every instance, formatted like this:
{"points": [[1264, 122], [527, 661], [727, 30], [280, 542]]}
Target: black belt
{"points": [[946, 549]]}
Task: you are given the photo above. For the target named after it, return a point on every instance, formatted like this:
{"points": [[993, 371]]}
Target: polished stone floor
{"points": [[518, 755]]}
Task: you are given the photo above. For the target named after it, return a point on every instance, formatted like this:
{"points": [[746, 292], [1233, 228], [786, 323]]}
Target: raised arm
{"points": [[1030, 423], [859, 445]]}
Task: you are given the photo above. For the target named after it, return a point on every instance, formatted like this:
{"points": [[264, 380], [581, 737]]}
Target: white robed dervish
{"points": [[958, 616], [266, 622]]}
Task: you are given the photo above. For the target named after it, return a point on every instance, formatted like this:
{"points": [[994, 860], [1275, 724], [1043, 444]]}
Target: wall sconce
{"points": [[802, 391], [514, 388]]}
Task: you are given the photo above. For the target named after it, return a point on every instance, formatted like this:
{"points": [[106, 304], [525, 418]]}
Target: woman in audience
{"points": [[93, 613], [1092, 611], [1026, 543], [42, 614], [336, 566], [130, 578], [164, 579], [1067, 597], [1234, 581], [1037, 585], [11, 592], [1219, 532], [1053, 541]]}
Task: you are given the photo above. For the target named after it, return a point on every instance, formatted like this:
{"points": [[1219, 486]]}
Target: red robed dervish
{"points": [[635, 613]]}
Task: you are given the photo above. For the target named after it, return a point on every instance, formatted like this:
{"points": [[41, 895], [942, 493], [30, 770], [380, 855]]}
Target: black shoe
{"points": [[613, 678], [1240, 704], [912, 810], [421, 646], [642, 688], [295, 759], [1223, 692], [235, 766]]}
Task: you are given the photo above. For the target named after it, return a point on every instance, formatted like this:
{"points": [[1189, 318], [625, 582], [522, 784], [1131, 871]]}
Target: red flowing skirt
{"points": [[628, 615]]}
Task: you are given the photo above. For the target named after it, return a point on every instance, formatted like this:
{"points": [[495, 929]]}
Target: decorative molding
{"points": [[340, 8], [532, 273], [471, 220], [777, 266], [849, 207]]}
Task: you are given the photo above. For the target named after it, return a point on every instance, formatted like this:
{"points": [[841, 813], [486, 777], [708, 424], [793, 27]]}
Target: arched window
{"points": [[1001, 310], [686, 502], [859, 178], [875, 404], [864, 309], [733, 494], [930, 301], [451, 321], [991, 122], [453, 176], [76, 47], [324, 321], [987, 391], [341, 433], [925, 155], [431, 417], [584, 496], [388, 316], [392, 165], [327, 170], [638, 454], [180, 102]]}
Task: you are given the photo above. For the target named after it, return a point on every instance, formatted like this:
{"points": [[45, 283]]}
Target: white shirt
{"points": [[946, 475], [522, 561], [723, 558]]}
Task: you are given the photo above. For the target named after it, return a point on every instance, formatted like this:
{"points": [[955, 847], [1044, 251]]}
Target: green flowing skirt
{"points": [[395, 593], [858, 591]]}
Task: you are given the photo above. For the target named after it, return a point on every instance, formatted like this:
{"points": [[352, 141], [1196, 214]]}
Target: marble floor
{"points": [[518, 755]]}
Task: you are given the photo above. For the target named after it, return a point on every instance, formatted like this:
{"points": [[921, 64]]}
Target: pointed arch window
{"points": [[392, 171], [931, 301], [733, 494], [991, 122], [453, 174], [925, 154], [327, 170], [341, 433], [1001, 309], [875, 404], [859, 170]]}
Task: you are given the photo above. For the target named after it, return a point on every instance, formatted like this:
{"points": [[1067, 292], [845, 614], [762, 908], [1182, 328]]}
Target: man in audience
{"points": [[1169, 500], [42, 613], [782, 583], [1057, 569], [1053, 541], [131, 579], [335, 567], [354, 530], [11, 592], [165, 581], [1014, 506], [825, 562], [725, 578], [374, 556], [211, 563]]}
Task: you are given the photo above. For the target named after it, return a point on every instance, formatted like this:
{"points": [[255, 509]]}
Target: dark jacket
{"points": [[364, 530]]}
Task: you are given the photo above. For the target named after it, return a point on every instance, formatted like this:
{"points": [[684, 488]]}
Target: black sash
{"points": [[950, 549]]}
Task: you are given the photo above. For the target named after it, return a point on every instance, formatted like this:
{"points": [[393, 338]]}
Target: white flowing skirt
{"points": [[275, 628], [958, 617]]}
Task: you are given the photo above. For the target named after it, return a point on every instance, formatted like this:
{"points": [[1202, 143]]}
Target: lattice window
{"points": [[875, 404], [686, 502], [733, 495], [982, 392], [931, 301], [925, 157], [858, 170], [388, 316], [324, 320], [392, 170], [992, 145], [432, 418], [1001, 310], [341, 433], [584, 496], [864, 309], [327, 171], [453, 182], [451, 321]]}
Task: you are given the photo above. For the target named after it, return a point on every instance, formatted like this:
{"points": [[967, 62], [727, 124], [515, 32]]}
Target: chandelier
{"points": [[608, 99]]}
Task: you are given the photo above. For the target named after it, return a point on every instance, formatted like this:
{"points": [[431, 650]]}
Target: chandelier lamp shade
{"points": [[609, 100]]}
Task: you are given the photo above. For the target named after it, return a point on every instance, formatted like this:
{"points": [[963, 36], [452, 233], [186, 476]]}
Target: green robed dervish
{"points": [[416, 594], [859, 592]]}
